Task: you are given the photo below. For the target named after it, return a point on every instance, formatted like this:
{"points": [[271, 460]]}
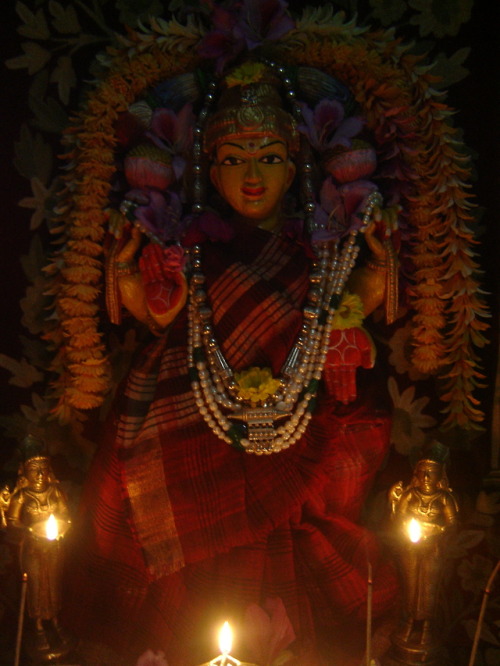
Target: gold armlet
{"points": [[391, 282], [388, 266], [113, 301], [124, 268], [153, 326], [377, 266]]}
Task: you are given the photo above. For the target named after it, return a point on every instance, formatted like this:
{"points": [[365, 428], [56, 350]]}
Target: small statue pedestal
{"points": [[413, 653], [59, 646]]}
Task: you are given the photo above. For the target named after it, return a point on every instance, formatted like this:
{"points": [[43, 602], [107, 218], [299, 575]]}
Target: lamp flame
{"points": [[225, 639], [51, 528], [414, 530]]}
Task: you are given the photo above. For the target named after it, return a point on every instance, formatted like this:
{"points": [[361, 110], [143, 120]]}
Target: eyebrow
{"points": [[266, 145]]}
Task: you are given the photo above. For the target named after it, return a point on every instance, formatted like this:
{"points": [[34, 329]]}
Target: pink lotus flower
{"points": [[149, 169], [268, 631], [150, 658], [351, 164], [173, 132]]}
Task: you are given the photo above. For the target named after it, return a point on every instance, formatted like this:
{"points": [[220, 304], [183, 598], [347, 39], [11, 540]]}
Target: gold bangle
{"points": [[377, 266], [124, 268], [153, 326]]}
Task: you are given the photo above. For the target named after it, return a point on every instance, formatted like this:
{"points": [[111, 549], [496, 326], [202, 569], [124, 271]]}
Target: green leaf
{"points": [[14, 426], [50, 116], [33, 155], [35, 351], [40, 404], [33, 262], [33, 306], [35, 26], [460, 543], [440, 18], [64, 76], [23, 374], [65, 19], [486, 632], [39, 85], [388, 12], [132, 12], [33, 59], [37, 202], [451, 69]]}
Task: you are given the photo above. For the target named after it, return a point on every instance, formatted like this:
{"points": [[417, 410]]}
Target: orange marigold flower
{"points": [[83, 292], [76, 308], [83, 400], [84, 231], [78, 324], [81, 274], [84, 339], [75, 355], [71, 257]]}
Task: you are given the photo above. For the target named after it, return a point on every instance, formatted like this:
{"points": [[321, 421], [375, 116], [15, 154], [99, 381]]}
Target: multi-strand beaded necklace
{"points": [[282, 418]]}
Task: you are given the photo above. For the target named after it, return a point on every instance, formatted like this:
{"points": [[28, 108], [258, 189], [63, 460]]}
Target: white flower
{"points": [[408, 421], [401, 349], [150, 658]]}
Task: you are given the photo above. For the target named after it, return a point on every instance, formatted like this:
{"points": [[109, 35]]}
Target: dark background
{"points": [[477, 101]]}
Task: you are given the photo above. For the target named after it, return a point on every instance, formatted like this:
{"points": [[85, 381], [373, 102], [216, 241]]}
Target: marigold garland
{"points": [[419, 163]]}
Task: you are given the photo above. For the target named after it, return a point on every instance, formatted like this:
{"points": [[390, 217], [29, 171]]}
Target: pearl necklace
{"points": [[291, 406]]}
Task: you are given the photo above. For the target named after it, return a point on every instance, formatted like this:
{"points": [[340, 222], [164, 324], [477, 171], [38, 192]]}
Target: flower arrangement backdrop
{"points": [[54, 50]]}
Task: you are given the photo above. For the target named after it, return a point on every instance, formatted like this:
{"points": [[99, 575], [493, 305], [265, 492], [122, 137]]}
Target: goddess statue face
{"points": [[253, 174], [428, 474], [37, 472]]}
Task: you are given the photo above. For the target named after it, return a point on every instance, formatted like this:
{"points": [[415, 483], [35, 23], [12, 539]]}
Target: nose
{"points": [[253, 174]]}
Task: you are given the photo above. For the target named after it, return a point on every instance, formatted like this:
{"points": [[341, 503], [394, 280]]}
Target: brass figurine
{"points": [[423, 511], [36, 506], [4, 505]]}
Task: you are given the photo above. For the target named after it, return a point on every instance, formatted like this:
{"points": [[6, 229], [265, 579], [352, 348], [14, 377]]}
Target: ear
{"points": [[214, 176], [292, 169]]}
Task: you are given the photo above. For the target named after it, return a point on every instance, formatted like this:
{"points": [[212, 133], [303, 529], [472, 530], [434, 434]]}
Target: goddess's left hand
{"points": [[349, 349]]}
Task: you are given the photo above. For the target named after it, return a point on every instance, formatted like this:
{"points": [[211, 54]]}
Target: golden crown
{"points": [[253, 108]]}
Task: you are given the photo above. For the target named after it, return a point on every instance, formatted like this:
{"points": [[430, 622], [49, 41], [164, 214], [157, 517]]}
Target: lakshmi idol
{"points": [[240, 455]]}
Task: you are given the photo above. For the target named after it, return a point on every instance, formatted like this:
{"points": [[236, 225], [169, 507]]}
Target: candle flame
{"points": [[225, 639], [51, 528], [414, 530]]}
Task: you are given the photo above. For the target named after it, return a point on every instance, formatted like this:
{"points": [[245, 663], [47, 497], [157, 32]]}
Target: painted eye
{"points": [[231, 160], [272, 158]]}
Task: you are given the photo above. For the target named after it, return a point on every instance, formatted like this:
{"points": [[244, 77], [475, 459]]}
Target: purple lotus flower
{"points": [[326, 126], [264, 20], [245, 26], [341, 208], [157, 214]]}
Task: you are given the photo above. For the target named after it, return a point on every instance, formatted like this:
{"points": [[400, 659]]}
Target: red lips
{"points": [[253, 191]]}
